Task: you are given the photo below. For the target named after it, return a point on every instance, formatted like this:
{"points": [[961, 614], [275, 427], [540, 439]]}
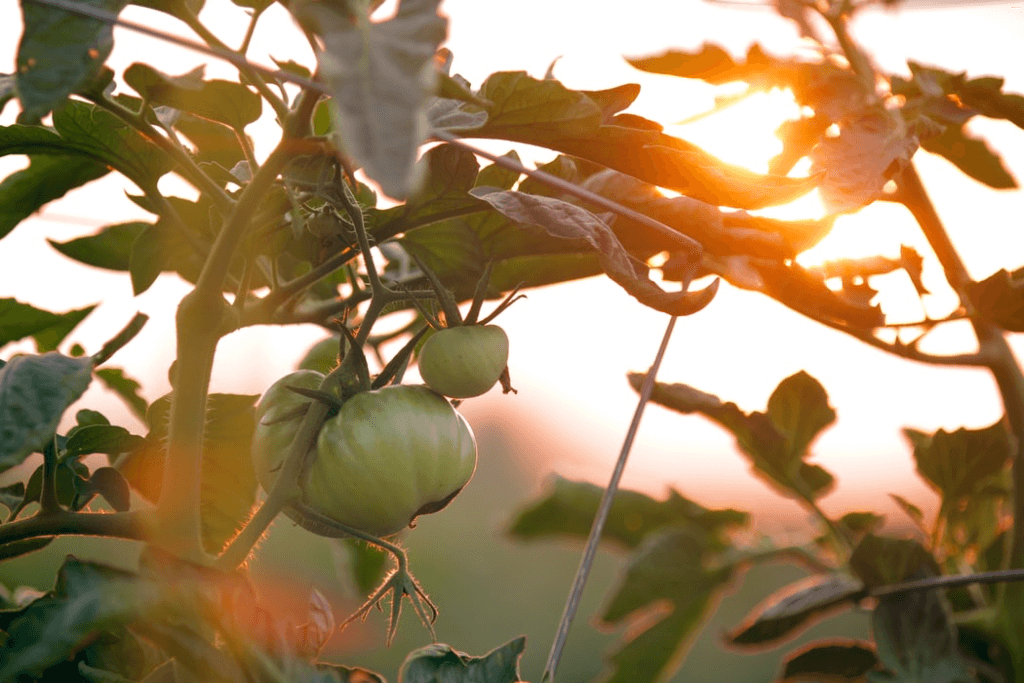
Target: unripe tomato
{"points": [[464, 361], [388, 456], [270, 442]]}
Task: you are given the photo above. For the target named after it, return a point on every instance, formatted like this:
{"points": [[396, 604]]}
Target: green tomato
{"points": [[464, 361], [388, 456], [270, 442]]}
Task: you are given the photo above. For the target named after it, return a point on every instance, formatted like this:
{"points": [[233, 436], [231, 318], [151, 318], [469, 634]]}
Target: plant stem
{"points": [[996, 353], [129, 525], [254, 76], [48, 504], [604, 508]]}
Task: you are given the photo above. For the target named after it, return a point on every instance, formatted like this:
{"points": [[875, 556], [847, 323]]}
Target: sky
{"points": [[572, 344]]}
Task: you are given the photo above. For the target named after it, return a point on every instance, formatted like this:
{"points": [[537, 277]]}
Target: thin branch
{"points": [[128, 525], [580, 580], [997, 576]]}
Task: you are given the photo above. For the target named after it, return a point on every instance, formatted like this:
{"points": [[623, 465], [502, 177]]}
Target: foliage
{"points": [[287, 239]]}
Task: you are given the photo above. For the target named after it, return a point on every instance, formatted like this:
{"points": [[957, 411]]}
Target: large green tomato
{"points": [[388, 456], [270, 442], [464, 361]]}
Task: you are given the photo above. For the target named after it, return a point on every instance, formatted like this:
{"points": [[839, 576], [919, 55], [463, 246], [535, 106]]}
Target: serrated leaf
{"points": [[228, 479], [871, 148], [59, 53], [34, 393], [381, 75], [663, 578], [958, 464], [791, 608], [48, 329], [125, 387], [849, 660], [232, 104], [567, 221], [547, 114], [24, 192], [570, 507], [110, 248], [442, 662], [972, 156], [882, 560], [775, 443], [916, 640], [1000, 298]]}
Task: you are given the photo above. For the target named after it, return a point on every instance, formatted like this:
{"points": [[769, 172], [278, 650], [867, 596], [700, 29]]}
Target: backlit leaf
{"points": [[668, 590], [791, 608], [382, 75], [1000, 298], [59, 53], [228, 479], [440, 662], [882, 560], [972, 156], [34, 393], [569, 510], [818, 661], [225, 102], [125, 387], [776, 443], [568, 221], [48, 329], [957, 464], [24, 192], [110, 248]]}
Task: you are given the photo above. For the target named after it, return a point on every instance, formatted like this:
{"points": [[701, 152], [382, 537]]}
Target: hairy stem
{"points": [[128, 525]]}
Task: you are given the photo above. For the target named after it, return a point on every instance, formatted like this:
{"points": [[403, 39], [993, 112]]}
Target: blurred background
{"points": [[573, 344]]}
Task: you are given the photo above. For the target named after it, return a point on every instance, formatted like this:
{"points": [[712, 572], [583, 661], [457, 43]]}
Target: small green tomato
{"points": [[464, 361], [388, 456]]}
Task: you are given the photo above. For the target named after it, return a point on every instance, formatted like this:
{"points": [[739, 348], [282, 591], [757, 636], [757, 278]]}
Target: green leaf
{"points": [[12, 495], [776, 443], [7, 90], [522, 106], [47, 178], [101, 135], [862, 522], [125, 387], [228, 479], [1000, 298], [665, 568], [793, 607], [916, 640], [214, 142], [34, 393], [448, 174], [225, 102], [972, 156], [882, 560], [567, 221], [440, 662], [59, 53], [570, 507], [88, 598], [819, 661], [110, 248], [977, 96], [382, 75], [958, 464], [494, 175], [48, 329], [109, 439], [9, 551], [913, 511], [111, 484]]}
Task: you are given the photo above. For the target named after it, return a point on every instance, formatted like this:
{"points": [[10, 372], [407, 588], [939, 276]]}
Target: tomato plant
{"points": [[348, 218]]}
